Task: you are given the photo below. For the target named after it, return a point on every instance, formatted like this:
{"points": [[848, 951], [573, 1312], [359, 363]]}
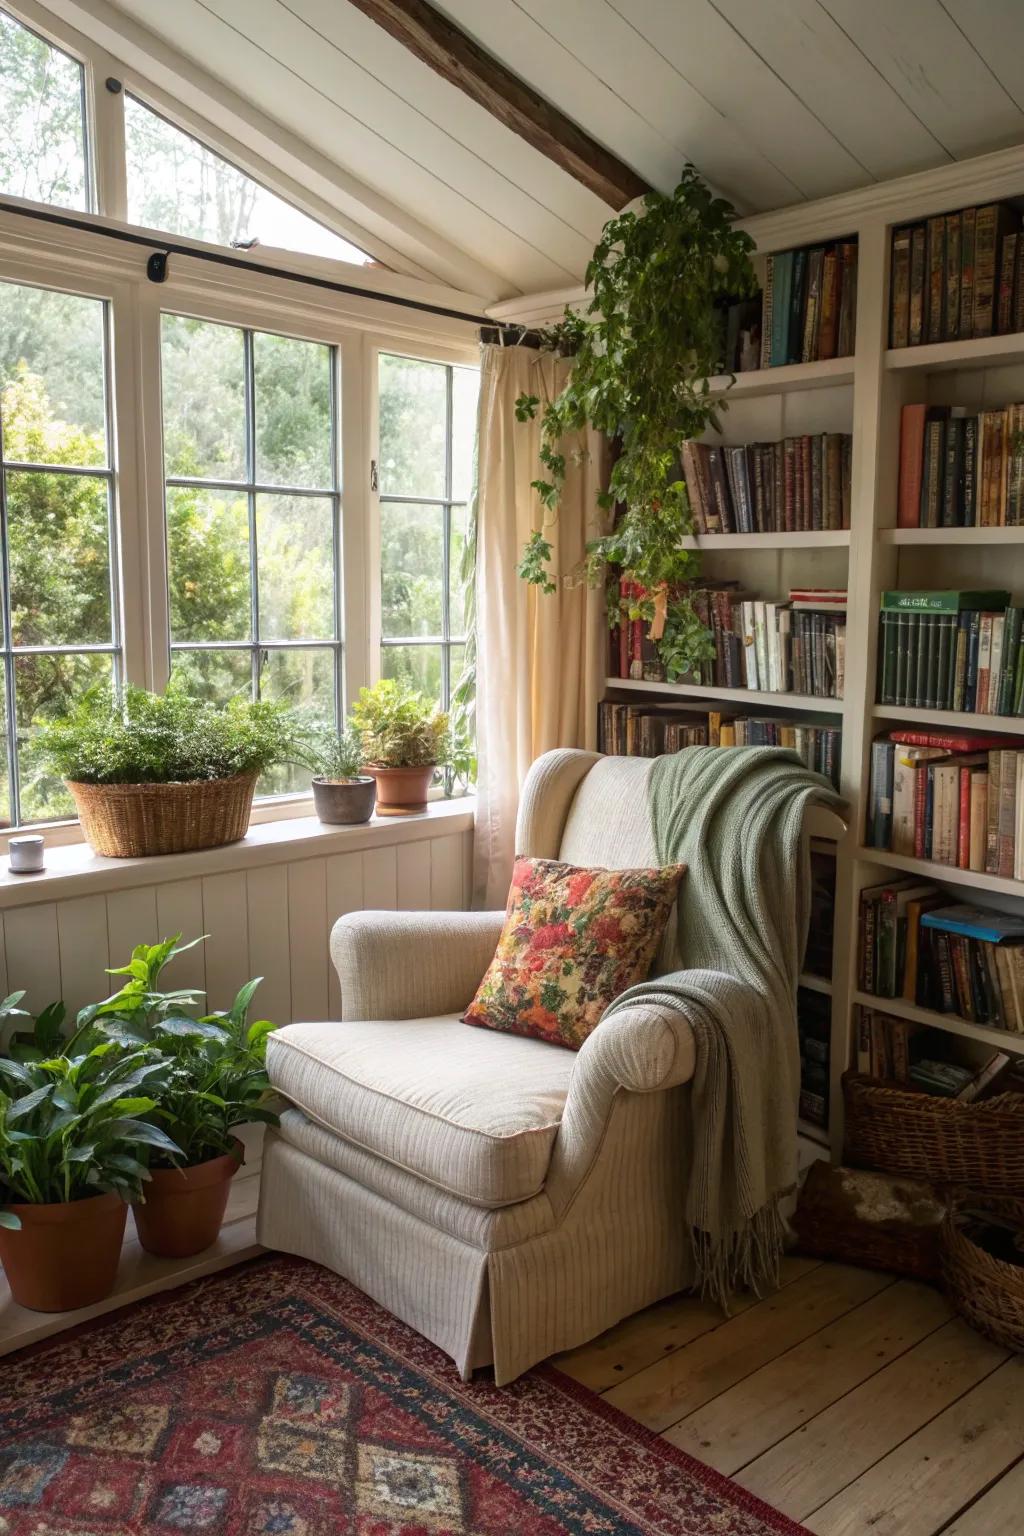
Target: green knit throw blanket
{"points": [[734, 817]]}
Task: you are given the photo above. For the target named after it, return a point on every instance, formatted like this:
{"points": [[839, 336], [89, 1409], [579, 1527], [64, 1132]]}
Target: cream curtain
{"points": [[541, 660]]}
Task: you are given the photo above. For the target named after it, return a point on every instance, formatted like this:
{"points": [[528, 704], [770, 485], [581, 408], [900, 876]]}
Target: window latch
{"points": [[374, 484]]}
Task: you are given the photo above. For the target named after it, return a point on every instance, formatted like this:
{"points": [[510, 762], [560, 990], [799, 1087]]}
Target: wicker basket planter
{"points": [[947, 1143], [988, 1292], [126, 821]]}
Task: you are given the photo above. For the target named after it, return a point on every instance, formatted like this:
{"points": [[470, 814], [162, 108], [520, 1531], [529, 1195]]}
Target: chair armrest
{"points": [[407, 965], [646, 1046]]}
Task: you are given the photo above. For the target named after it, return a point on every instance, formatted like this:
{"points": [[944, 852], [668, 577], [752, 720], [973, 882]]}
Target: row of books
{"points": [[799, 485], [809, 304], [896, 1050], [648, 730], [951, 799], [956, 276], [951, 650], [956, 959], [959, 470], [814, 1030]]}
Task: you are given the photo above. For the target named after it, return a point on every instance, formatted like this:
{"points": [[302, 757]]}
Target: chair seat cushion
{"points": [[472, 1112]]}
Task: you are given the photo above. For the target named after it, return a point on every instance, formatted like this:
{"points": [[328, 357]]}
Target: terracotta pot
{"points": [[401, 791], [184, 1207], [65, 1255], [344, 802]]}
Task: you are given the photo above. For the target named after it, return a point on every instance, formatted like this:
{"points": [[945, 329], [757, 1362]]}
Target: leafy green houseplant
{"points": [[342, 793], [163, 773], [75, 1135], [643, 353], [404, 739], [214, 1080]]}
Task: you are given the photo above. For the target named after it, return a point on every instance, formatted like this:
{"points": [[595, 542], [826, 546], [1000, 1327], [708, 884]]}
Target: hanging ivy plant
{"points": [[642, 355]]}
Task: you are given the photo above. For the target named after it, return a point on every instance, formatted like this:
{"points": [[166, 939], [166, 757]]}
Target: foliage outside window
{"points": [[42, 146], [59, 612], [176, 183], [253, 518], [426, 471]]}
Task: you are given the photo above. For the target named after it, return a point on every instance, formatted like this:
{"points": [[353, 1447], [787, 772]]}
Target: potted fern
{"points": [[165, 773], [404, 738]]}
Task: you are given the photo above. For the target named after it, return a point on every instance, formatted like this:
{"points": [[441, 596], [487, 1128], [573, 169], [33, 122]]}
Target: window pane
{"points": [[465, 390], [42, 147], [58, 530], [213, 676], [302, 680], [203, 386], [208, 564], [5, 782], [417, 665], [295, 542], [412, 569], [47, 686], [293, 412], [176, 183], [52, 393], [457, 653], [413, 412], [457, 575]]}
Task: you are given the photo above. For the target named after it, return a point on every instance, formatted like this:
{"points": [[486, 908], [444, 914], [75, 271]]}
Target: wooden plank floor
{"points": [[853, 1401]]}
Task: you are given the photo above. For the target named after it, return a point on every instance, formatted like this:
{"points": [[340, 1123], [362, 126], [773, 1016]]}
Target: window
{"points": [[177, 184], [42, 146], [60, 627], [427, 436], [253, 516]]}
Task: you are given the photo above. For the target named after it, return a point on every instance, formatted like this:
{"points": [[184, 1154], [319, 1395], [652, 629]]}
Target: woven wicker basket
{"points": [[126, 821], [988, 1292], [947, 1143]]}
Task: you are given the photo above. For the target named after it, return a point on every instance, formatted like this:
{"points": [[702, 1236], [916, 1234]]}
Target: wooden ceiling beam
{"points": [[452, 54]]}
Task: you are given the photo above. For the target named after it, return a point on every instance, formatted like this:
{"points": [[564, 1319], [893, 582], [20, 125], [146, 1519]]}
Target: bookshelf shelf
{"points": [[1006, 1039], [973, 537], [829, 374], [815, 983], [949, 719], [805, 703], [942, 873], [944, 356], [830, 538], [812, 1131]]}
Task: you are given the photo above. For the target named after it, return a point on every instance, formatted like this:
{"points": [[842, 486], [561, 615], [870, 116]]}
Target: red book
{"points": [[952, 743], [963, 843], [624, 637], [920, 799], [908, 506]]}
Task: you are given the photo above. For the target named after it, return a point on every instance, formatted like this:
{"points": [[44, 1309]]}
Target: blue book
{"points": [[975, 923], [781, 302]]}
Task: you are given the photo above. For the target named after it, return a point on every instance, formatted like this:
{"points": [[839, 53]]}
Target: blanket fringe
{"points": [[745, 1260]]}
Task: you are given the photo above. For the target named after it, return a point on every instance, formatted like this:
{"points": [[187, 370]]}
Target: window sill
{"points": [[74, 870]]}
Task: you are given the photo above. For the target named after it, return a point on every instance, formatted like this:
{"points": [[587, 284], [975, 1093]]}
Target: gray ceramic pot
{"points": [[344, 802]]}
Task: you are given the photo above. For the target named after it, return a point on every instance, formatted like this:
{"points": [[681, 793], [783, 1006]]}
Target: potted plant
{"points": [[73, 1136], [214, 1082], [342, 794], [165, 773], [404, 739]]}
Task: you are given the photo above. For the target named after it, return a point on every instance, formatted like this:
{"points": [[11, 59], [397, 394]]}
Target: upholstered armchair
{"points": [[506, 1197]]}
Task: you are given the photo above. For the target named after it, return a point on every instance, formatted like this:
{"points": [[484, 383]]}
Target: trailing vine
{"points": [[642, 355]]}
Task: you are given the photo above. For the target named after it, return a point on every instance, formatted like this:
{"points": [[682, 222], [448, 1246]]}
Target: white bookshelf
{"points": [[864, 395]]}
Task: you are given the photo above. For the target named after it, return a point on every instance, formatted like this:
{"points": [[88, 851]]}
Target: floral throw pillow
{"points": [[573, 940]]}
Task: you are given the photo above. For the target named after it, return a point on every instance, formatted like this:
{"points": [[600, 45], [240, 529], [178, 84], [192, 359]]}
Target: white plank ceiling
{"points": [[774, 101]]}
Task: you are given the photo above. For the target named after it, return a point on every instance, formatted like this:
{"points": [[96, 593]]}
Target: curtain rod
{"points": [[167, 248]]}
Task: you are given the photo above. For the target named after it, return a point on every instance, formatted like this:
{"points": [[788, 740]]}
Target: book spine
{"points": [[936, 277], [966, 326], [985, 230], [828, 307], [963, 850], [917, 284], [899, 304], [970, 483], [951, 317], [810, 337], [912, 430], [1007, 269]]}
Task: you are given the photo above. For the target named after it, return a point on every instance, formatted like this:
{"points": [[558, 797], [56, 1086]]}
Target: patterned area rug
{"points": [[277, 1400]]}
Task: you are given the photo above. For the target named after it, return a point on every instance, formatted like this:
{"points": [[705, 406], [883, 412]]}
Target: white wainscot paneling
{"points": [[32, 946]]}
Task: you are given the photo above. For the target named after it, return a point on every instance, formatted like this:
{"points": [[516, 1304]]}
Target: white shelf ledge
{"points": [[1008, 1039], [950, 719], [942, 874], [792, 702], [815, 983], [986, 352], [933, 536], [829, 538], [784, 380]]}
